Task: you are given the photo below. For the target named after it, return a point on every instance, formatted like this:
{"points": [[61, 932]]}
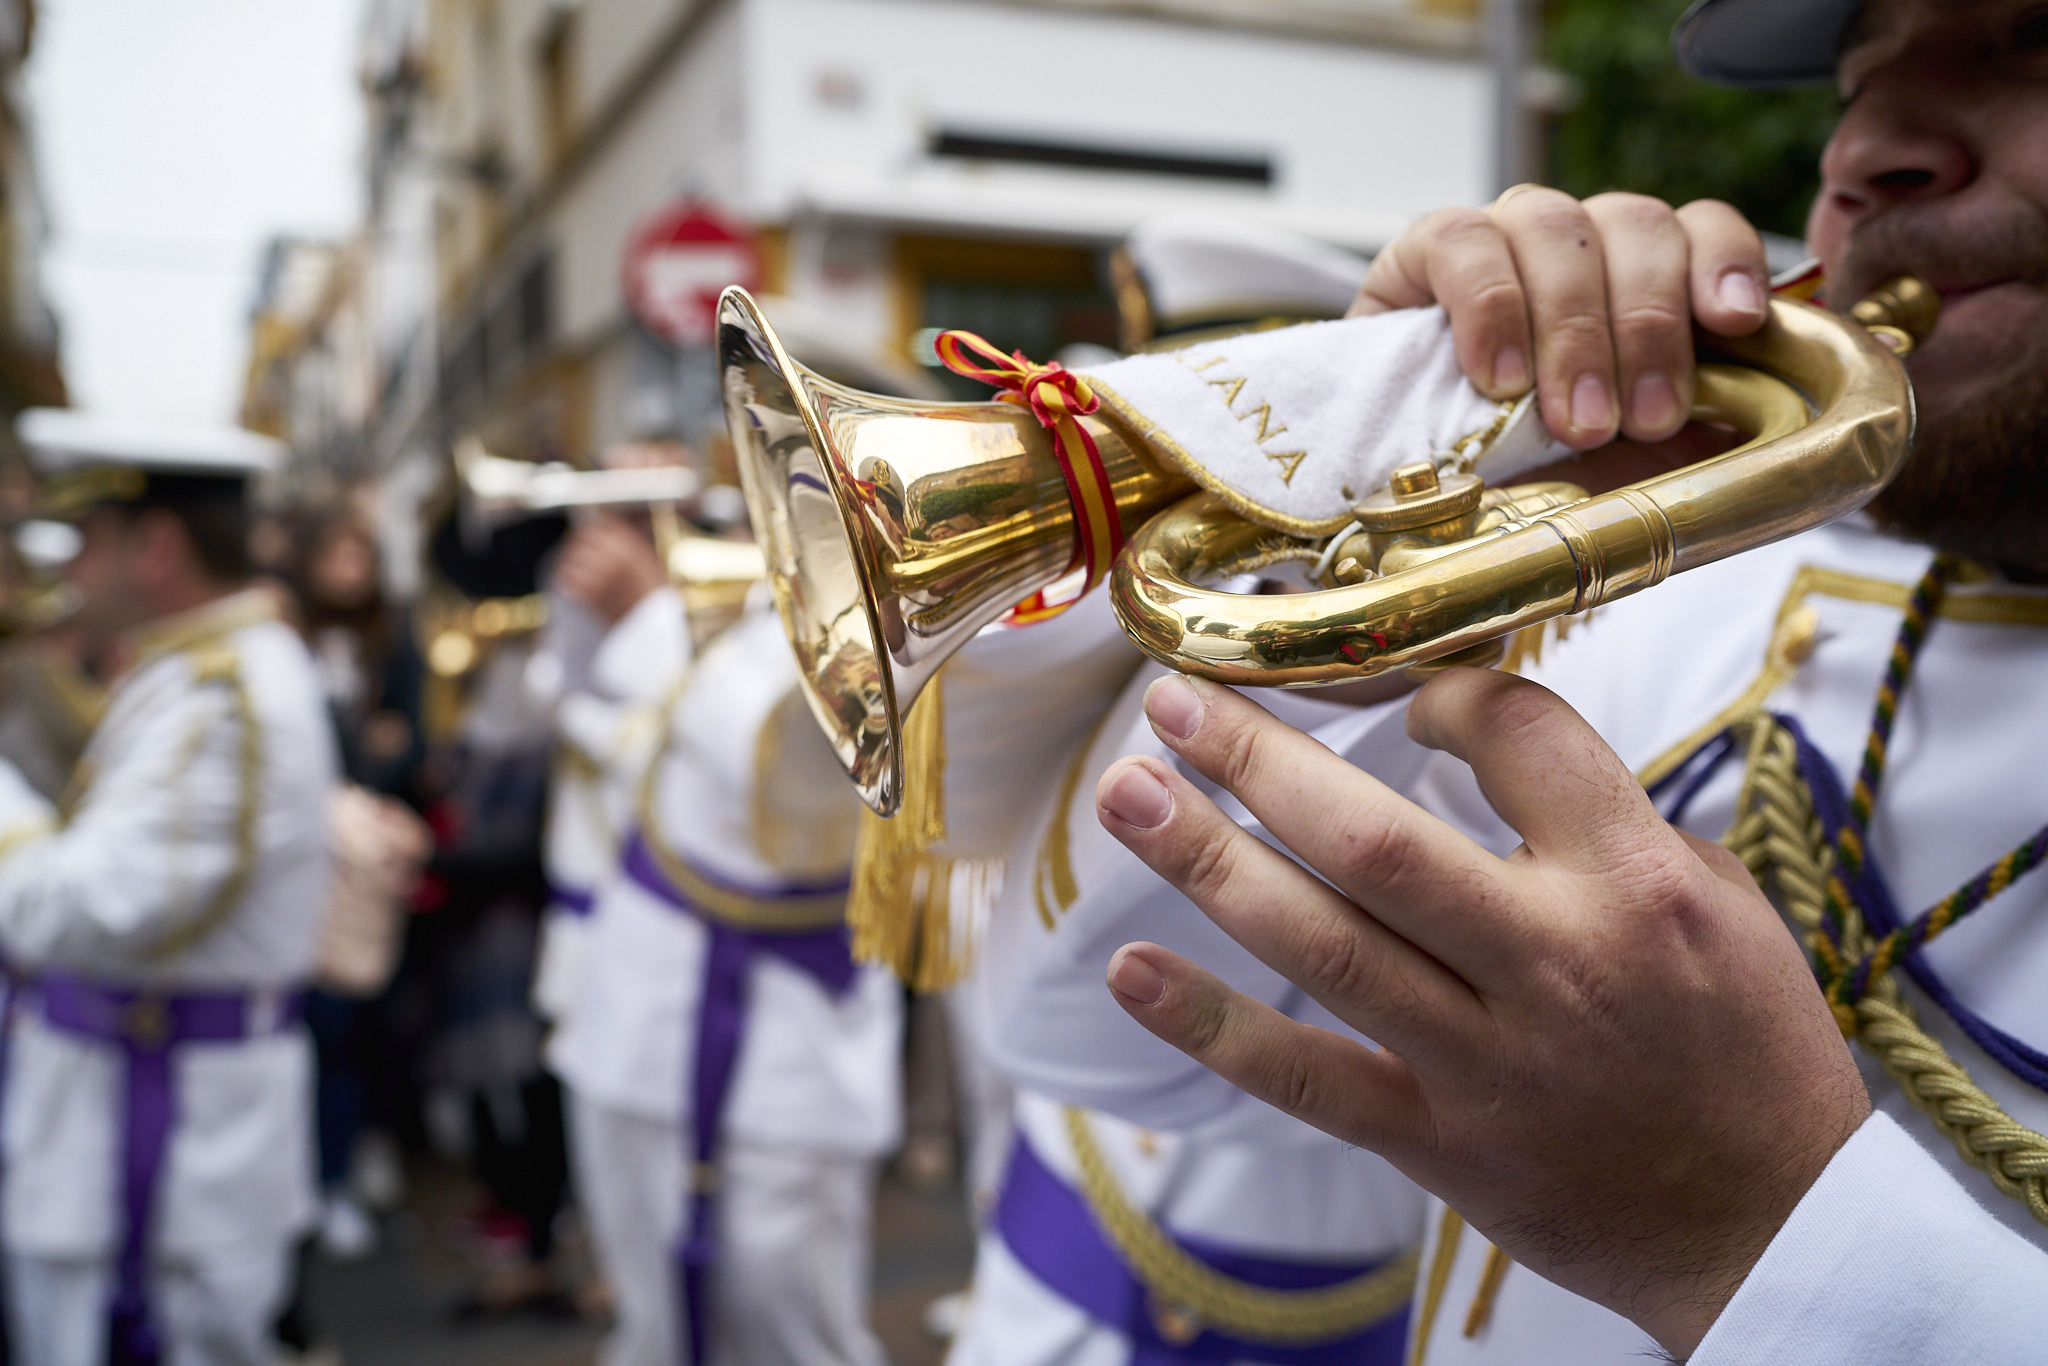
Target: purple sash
{"points": [[575, 902], [1053, 1234], [147, 1026], [826, 955]]}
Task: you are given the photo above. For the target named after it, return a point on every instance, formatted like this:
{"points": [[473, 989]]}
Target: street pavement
{"points": [[402, 1305]]}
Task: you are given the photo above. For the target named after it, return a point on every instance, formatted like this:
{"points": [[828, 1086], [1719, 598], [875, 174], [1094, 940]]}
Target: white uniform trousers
{"points": [[211, 1311], [790, 1285]]}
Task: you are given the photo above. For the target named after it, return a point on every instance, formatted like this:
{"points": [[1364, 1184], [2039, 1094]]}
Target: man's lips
{"points": [[1987, 300], [1983, 331], [1953, 291]]}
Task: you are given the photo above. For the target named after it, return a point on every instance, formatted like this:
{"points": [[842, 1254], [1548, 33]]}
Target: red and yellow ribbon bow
{"points": [[1058, 398]]}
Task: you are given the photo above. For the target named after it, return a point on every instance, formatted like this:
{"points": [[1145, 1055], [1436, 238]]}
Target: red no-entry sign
{"points": [[677, 260]]}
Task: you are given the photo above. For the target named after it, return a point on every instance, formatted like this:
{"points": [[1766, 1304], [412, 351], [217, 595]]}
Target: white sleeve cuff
{"points": [[1887, 1258]]}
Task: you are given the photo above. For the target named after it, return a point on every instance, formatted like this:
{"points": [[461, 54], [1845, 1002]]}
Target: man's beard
{"points": [[1977, 482]]}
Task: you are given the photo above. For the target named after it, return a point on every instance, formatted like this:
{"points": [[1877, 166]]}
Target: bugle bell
{"points": [[893, 530]]}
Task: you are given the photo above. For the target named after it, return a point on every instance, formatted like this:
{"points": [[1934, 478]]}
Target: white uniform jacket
{"points": [[193, 857], [1892, 1256], [607, 721], [744, 790]]}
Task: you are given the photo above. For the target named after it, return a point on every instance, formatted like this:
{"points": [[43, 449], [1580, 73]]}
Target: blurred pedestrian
{"points": [[370, 673], [474, 945], [164, 920]]}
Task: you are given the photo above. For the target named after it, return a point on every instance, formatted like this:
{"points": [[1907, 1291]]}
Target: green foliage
{"points": [[1642, 123]]}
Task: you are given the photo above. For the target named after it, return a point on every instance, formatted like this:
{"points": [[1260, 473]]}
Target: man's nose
{"points": [[1901, 139]]}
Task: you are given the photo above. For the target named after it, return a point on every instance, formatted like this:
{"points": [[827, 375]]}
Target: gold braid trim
{"points": [[1449, 1230], [1491, 1274], [791, 913], [217, 664], [19, 837], [1777, 835], [1189, 1296]]}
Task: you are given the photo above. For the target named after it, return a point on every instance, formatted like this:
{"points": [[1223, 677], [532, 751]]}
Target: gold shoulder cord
{"points": [[218, 664], [1781, 841], [1189, 1296], [1778, 836]]}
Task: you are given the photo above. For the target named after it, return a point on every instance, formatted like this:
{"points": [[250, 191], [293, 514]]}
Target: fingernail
{"points": [[1137, 798], [1510, 370], [1134, 979], [1592, 410], [1655, 402], [1741, 293], [1174, 706]]}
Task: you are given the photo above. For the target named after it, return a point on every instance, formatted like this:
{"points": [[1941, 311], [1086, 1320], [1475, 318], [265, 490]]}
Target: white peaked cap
{"points": [[1762, 42], [65, 440], [1199, 268]]}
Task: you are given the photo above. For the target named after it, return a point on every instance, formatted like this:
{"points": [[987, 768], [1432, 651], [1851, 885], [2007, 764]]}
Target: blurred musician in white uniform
{"points": [[615, 637], [737, 1076], [162, 921], [1144, 1218], [736, 1072]]}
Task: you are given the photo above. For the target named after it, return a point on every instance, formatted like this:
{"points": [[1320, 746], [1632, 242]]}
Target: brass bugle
{"points": [[712, 574], [896, 530]]}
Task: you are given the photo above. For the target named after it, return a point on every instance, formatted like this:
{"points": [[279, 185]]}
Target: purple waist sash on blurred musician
{"points": [[577, 902], [824, 954], [1053, 1234], [149, 1026]]}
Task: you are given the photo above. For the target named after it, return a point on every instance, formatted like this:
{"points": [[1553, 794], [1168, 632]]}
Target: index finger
{"points": [[1426, 881], [1368, 976], [1460, 259]]}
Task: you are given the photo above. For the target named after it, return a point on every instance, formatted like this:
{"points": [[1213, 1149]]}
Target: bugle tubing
{"points": [[1829, 415]]}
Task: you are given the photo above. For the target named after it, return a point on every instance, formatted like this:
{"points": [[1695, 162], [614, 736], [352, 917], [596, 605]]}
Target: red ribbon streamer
{"points": [[1058, 398]]}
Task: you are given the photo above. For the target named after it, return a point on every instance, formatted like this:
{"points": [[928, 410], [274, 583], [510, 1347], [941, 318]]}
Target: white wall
{"points": [[843, 95], [685, 137], [612, 38]]}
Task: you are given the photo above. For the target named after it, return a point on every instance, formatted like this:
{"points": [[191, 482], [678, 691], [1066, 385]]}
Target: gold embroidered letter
{"points": [[1288, 462], [1235, 386], [1264, 413]]}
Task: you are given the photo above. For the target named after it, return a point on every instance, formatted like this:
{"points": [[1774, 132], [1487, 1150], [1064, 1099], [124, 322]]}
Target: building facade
{"points": [[30, 374], [903, 165], [907, 163]]}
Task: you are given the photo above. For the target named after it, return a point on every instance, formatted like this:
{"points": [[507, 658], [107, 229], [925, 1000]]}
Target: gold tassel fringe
{"points": [[902, 907]]}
